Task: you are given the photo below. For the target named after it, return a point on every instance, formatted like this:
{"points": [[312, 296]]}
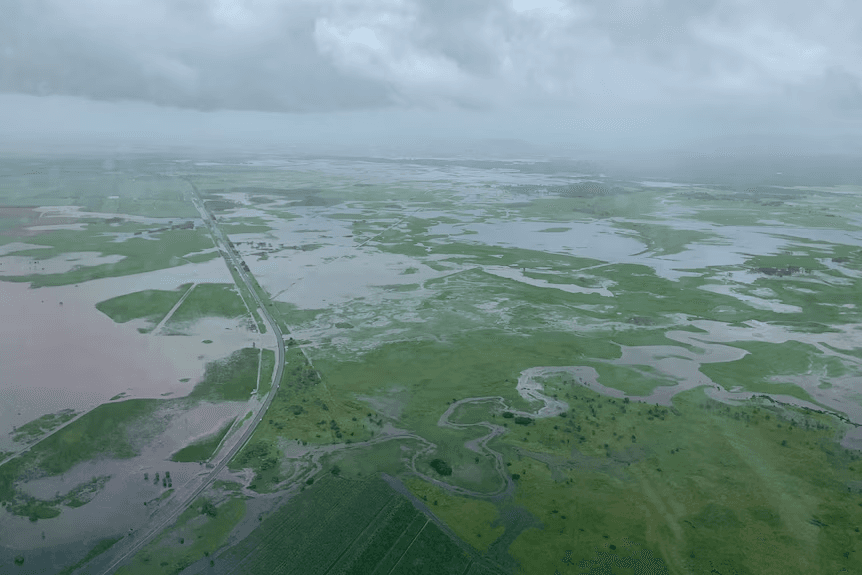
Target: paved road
{"points": [[168, 513]]}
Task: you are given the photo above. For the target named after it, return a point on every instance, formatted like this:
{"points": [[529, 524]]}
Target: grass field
{"points": [[689, 486], [152, 305], [267, 365], [766, 362], [172, 248], [473, 520], [233, 378], [199, 531], [209, 300], [42, 425]]}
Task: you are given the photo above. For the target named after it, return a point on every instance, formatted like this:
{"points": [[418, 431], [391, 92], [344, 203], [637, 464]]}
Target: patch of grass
{"points": [[42, 425], [227, 485], [676, 485], [34, 510], [209, 300], [478, 363], [267, 365], [204, 449], [151, 305], [666, 240], [196, 534], [755, 371], [102, 431], [633, 380], [141, 255], [473, 520], [233, 378]]}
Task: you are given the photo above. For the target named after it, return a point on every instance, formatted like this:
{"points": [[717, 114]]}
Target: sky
{"points": [[573, 74]]}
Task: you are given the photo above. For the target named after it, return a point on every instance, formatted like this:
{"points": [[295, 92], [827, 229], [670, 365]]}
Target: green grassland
{"points": [[233, 378], [42, 425], [75, 183], [766, 361], [152, 305], [199, 531], [267, 365], [666, 240], [209, 300], [756, 489], [306, 410], [204, 449], [613, 485], [473, 520], [633, 380], [171, 248]]}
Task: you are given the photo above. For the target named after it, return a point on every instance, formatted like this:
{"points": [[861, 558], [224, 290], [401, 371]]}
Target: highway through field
{"points": [[186, 494]]}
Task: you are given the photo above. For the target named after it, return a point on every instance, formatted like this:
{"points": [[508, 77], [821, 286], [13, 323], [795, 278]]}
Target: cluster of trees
{"points": [[441, 467]]}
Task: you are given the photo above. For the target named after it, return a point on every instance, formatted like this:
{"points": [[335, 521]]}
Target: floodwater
{"points": [[22, 266], [58, 351], [119, 506]]}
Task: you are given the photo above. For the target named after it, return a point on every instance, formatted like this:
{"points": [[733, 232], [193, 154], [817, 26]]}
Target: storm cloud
{"points": [[556, 65]]}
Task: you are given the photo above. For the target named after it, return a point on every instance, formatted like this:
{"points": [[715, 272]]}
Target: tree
{"points": [[441, 467]]}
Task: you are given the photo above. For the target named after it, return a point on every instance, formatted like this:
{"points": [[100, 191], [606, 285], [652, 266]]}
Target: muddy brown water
{"points": [[55, 356]]}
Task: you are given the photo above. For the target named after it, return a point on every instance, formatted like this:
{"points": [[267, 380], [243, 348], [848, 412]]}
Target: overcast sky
{"points": [[609, 74]]}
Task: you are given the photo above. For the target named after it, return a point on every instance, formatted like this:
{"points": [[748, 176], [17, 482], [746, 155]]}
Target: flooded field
{"points": [[526, 346], [47, 364]]}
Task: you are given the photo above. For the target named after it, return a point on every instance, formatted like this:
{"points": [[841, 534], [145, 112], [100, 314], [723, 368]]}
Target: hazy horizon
{"points": [[543, 78]]}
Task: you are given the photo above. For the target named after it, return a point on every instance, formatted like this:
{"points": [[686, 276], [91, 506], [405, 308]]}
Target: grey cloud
{"points": [[569, 67], [181, 54]]}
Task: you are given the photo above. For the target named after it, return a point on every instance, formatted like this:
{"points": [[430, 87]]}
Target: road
{"points": [[166, 515]]}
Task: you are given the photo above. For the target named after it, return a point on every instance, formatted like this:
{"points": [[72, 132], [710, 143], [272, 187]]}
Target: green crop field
{"points": [[351, 527]]}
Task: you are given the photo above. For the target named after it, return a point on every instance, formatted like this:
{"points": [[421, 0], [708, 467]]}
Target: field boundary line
{"points": [[427, 521], [170, 313]]}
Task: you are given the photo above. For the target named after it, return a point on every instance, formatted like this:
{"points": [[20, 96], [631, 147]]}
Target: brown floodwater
{"points": [[58, 351]]}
